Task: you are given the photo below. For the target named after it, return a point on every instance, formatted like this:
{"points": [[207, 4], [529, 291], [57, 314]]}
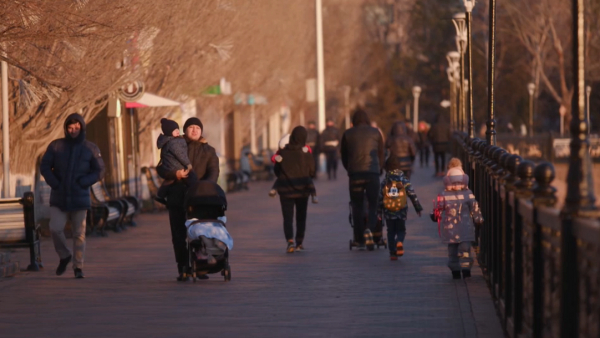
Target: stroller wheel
{"points": [[350, 245], [226, 273]]}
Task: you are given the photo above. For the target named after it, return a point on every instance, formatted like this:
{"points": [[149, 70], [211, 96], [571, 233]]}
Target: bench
{"points": [[18, 228], [105, 212], [259, 170], [154, 182]]}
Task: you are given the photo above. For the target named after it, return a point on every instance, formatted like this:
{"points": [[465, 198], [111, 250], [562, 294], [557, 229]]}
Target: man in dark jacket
{"points": [[330, 145], [70, 166], [205, 164], [402, 147], [363, 157], [440, 136], [312, 140]]}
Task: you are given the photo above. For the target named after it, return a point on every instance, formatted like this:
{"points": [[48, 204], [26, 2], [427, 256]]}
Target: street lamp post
{"points": [[531, 90], [490, 133], [452, 70], [459, 21], [416, 90], [469, 4], [580, 200], [588, 92]]}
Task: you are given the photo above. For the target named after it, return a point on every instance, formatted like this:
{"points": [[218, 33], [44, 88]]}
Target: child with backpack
{"points": [[459, 212], [393, 205]]}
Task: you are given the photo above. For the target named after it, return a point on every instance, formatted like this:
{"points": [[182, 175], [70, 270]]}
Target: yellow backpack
{"points": [[394, 196]]}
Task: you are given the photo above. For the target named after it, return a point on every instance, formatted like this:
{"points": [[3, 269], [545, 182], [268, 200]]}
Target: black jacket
{"points": [[401, 146], [173, 153], [440, 136], [205, 164], [330, 139], [295, 168], [362, 147], [70, 167], [312, 139]]}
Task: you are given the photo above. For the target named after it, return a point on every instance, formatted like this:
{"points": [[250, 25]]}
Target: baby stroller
{"points": [[208, 240], [377, 233]]}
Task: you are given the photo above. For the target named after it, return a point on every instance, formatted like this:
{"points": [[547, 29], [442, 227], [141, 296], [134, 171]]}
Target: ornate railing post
{"points": [[497, 226], [544, 195], [511, 177], [522, 191], [500, 174]]}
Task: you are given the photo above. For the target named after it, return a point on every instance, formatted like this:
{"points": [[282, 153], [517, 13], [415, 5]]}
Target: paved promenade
{"points": [[326, 291]]}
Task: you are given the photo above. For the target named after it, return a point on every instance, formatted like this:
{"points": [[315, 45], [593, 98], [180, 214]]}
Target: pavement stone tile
{"points": [[325, 291]]}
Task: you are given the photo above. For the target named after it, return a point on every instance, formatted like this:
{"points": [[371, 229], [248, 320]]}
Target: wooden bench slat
{"points": [[12, 235]]}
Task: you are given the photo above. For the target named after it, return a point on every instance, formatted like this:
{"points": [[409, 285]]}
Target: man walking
{"points": [[440, 136], [363, 157], [205, 164], [70, 166], [312, 140], [330, 145]]}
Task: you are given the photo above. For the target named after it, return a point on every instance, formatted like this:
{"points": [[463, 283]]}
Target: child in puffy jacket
{"points": [[394, 190], [459, 214], [173, 156]]}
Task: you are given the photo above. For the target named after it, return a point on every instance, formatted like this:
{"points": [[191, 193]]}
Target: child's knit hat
{"points": [[168, 126], [456, 175]]}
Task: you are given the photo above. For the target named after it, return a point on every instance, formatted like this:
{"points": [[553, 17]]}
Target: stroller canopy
{"points": [[205, 193]]}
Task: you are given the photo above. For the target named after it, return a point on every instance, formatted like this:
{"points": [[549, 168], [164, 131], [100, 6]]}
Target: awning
{"points": [[151, 100]]}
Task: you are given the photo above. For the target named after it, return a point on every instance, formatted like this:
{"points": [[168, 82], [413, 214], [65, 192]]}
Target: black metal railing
{"points": [[522, 247]]}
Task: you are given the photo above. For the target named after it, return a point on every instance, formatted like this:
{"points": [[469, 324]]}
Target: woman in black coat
{"points": [[295, 170]]}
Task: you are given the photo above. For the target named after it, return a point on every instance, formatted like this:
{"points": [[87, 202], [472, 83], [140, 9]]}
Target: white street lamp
{"points": [[531, 90], [452, 71], [588, 91], [459, 21], [416, 90], [469, 4]]}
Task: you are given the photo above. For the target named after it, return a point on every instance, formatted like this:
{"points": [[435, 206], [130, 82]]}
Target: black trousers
{"points": [[332, 163], [440, 161], [287, 209], [361, 185], [315, 155], [424, 155], [179, 235]]}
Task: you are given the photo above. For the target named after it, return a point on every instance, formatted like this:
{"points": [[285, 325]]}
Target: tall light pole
{"points": [[580, 200], [469, 4], [459, 21], [490, 134], [531, 90], [588, 92], [452, 70], [320, 65], [5, 131], [416, 90]]}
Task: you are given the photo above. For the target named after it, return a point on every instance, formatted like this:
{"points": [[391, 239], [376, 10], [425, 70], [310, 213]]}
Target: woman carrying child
{"points": [[295, 171], [392, 203], [459, 214]]}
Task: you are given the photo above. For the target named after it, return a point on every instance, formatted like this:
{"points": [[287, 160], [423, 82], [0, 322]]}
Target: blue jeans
{"points": [[396, 232]]}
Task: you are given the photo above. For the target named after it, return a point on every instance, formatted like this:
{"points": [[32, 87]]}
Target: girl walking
{"points": [[295, 172]]}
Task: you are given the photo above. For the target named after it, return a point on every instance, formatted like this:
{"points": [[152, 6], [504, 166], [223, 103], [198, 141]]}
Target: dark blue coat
{"points": [[70, 166]]}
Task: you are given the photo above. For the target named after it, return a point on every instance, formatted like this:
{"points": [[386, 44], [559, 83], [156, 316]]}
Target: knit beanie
{"points": [[193, 121], [168, 126]]}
